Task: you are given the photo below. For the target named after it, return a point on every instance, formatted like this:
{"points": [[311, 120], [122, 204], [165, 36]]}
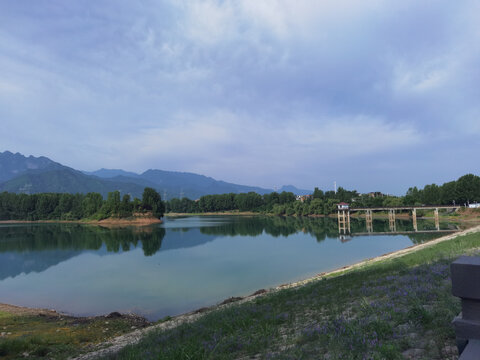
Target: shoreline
{"points": [[105, 222]]}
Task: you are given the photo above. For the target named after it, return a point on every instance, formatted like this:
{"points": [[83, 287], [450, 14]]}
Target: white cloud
{"points": [[418, 79], [140, 85], [222, 143]]}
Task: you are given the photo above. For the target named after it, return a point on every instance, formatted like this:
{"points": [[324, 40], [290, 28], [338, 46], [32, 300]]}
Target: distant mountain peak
{"points": [[111, 173], [12, 165], [295, 190]]}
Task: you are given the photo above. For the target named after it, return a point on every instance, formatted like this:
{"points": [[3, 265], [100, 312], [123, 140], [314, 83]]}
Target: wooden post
{"points": [[437, 220]]}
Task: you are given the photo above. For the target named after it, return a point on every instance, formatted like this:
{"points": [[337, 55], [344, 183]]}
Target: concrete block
{"points": [[466, 277], [471, 309], [466, 329], [471, 351], [461, 344]]}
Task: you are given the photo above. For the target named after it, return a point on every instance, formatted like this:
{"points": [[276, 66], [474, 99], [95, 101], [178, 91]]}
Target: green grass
{"points": [[4, 314], [55, 337], [378, 311]]}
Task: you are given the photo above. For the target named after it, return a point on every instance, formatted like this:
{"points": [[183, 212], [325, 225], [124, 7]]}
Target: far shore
{"points": [[227, 213], [140, 221]]}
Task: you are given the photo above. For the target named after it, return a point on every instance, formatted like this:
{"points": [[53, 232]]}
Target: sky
{"points": [[375, 95]]}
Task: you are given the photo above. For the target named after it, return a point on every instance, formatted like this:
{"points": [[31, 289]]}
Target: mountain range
{"points": [[30, 175]]}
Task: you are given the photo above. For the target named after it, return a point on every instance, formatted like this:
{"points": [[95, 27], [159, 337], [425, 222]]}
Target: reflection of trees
{"points": [[78, 237], [152, 242], [421, 238], [401, 225], [320, 228], [276, 226], [242, 226]]}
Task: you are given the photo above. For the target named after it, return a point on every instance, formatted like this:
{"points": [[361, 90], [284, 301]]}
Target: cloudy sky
{"points": [[375, 95]]}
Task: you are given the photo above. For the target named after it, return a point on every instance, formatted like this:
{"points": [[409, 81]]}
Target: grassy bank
{"points": [[397, 308], [26, 333]]}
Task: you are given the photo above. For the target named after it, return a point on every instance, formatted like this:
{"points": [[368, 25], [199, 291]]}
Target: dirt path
{"points": [[118, 343]]}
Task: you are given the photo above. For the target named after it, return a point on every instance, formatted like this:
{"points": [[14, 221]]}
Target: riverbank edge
{"points": [[116, 344], [140, 221]]}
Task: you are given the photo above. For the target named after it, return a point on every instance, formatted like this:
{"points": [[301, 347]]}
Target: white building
{"points": [[343, 206]]}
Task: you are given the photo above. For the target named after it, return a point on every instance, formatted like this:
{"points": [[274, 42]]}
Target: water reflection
{"points": [[416, 230], [178, 266], [36, 247]]}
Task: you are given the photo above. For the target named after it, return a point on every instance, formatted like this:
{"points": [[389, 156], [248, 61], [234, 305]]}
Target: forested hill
{"points": [[32, 175]]}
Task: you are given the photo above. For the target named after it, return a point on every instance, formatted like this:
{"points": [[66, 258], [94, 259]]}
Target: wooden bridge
{"points": [[344, 215]]}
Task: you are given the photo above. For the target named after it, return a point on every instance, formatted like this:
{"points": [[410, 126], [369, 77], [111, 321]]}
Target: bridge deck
{"points": [[402, 232], [430, 207]]}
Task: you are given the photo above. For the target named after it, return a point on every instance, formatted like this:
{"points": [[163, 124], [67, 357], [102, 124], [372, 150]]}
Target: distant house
{"points": [[375, 194], [343, 206], [303, 198]]}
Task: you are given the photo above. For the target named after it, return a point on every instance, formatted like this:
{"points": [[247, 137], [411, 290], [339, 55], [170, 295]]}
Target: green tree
{"points": [[431, 194], [152, 201], [92, 202], [126, 207], [468, 187], [316, 207], [448, 193], [318, 194]]}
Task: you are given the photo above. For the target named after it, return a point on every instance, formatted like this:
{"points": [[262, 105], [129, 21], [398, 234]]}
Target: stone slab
{"points": [[465, 272], [466, 329], [471, 351], [461, 344], [471, 309]]}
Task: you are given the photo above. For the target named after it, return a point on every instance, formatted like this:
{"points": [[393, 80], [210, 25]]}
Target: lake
{"points": [[180, 265]]}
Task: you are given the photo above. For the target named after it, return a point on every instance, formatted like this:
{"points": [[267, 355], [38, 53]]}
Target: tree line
{"points": [[53, 206], [462, 191], [64, 206], [228, 202]]}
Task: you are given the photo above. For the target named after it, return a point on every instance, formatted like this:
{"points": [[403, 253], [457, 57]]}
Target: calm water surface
{"points": [[183, 264]]}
